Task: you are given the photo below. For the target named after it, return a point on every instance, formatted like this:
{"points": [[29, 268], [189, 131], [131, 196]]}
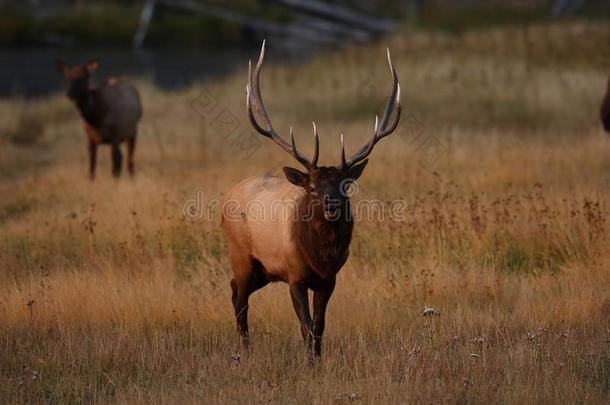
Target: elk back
{"points": [[122, 108]]}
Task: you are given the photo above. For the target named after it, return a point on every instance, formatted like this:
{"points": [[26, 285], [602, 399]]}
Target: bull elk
{"points": [[110, 112], [605, 109], [306, 245]]}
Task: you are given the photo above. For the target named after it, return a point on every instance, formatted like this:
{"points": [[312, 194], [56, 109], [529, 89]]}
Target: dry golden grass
{"points": [[108, 294]]}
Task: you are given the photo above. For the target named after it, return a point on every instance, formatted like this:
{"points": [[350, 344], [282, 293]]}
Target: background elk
{"points": [[307, 244], [605, 109], [110, 112]]}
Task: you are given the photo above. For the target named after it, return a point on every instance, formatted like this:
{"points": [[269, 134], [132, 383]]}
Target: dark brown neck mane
{"points": [[323, 244], [88, 104]]}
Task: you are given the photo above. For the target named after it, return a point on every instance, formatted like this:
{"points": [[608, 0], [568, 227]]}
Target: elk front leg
{"points": [[117, 159], [321, 296], [300, 300], [92, 159]]}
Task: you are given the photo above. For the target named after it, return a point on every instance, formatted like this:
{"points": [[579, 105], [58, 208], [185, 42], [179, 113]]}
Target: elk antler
{"points": [[381, 129], [253, 96]]}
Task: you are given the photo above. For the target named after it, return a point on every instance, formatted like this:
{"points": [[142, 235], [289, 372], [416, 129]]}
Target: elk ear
{"points": [[296, 177], [60, 65], [356, 171], [92, 66]]}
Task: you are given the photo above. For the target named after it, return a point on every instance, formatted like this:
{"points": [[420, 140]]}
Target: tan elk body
{"points": [[295, 229], [270, 233]]}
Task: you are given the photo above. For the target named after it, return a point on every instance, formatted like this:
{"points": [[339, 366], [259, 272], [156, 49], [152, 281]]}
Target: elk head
{"points": [[326, 185], [76, 77]]}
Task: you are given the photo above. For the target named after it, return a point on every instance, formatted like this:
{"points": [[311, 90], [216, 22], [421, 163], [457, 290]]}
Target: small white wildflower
{"points": [[429, 311]]}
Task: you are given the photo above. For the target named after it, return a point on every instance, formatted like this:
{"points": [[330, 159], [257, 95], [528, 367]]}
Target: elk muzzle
{"points": [[332, 208]]}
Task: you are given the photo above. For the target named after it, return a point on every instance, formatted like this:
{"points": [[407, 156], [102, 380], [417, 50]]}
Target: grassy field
{"points": [[108, 293]]}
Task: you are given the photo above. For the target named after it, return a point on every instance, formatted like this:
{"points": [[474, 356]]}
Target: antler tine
{"points": [[392, 99], [253, 121], [298, 156], [253, 96], [343, 162], [316, 152], [293, 145], [249, 102], [387, 131], [257, 88], [381, 128]]}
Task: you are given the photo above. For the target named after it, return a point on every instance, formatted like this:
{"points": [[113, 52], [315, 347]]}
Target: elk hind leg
{"points": [[131, 147], [117, 159], [249, 277], [92, 159]]}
